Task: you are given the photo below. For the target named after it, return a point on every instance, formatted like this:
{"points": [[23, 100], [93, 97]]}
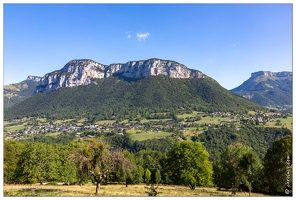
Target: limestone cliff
{"points": [[34, 78], [85, 72], [269, 73]]}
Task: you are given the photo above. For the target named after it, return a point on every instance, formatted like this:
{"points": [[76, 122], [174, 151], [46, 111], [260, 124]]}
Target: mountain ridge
{"points": [[86, 71], [17, 92], [266, 88]]}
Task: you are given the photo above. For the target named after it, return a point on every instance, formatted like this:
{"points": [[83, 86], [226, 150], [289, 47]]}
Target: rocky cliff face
{"points": [[269, 73], [85, 72], [33, 78]]}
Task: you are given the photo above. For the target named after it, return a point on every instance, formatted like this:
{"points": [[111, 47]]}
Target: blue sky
{"points": [[225, 41]]}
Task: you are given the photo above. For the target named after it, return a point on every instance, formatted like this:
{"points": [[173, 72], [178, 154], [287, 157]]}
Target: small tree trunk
{"points": [[98, 186], [249, 191], [233, 189], [191, 186]]}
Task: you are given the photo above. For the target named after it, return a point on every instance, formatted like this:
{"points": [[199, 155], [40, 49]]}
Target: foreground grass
{"points": [[112, 190]]}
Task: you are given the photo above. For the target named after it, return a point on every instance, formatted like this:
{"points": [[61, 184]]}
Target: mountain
{"points": [[272, 89], [85, 72], [15, 93], [135, 89]]}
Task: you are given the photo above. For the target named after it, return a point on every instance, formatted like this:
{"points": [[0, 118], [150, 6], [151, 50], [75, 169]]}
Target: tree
{"points": [[135, 173], [239, 164], [250, 165], [67, 170], [152, 191], [157, 176], [278, 166], [147, 176], [95, 159], [38, 163], [188, 164], [12, 153]]}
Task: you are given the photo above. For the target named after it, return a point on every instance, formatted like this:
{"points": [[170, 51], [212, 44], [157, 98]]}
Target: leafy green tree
{"points": [[95, 158], [67, 170], [157, 176], [239, 164], [251, 166], [188, 164], [147, 176], [135, 173], [37, 163], [12, 153], [278, 166]]}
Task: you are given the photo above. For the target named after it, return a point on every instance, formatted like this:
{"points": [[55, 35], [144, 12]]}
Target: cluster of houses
{"points": [[156, 126]]}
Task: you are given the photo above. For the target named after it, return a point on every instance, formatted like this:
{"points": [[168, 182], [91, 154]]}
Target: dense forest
{"points": [[116, 97]]}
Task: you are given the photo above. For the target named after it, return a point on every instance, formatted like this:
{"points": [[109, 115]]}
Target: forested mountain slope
{"points": [[115, 97], [267, 88]]}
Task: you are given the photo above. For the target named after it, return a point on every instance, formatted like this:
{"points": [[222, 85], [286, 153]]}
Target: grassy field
{"points": [[112, 190], [194, 113], [105, 122], [42, 120], [15, 128], [154, 120], [62, 121], [146, 135], [285, 122], [214, 120], [53, 134]]}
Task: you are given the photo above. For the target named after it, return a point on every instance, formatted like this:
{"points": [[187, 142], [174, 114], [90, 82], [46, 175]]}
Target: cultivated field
{"points": [[146, 135], [112, 190]]}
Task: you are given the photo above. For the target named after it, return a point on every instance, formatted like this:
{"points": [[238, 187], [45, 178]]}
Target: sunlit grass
{"points": [[105, 122], [112, 190], [194, 113], [15, 128], [146, 135], [53, 134], [59, 121]]}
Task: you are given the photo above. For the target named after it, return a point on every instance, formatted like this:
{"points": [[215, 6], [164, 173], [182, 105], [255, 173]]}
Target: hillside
{"points": [[15, 93], [119, 97], [272, 89]]}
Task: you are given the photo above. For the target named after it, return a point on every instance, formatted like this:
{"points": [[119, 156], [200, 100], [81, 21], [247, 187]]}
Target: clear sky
{"points": [[225, 41]]}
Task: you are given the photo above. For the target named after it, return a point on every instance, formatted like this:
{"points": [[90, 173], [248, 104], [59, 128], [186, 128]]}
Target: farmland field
{"points": [[15, 128], [112, 190], [146, 135], [285, 122]]}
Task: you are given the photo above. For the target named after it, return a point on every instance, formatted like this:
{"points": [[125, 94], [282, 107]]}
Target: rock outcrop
{"points": [[269, 73], [34, 78], [85, 72]]}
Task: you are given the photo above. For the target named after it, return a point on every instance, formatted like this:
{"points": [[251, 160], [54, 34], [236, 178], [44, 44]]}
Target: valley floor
{"points": [[112, 190]]}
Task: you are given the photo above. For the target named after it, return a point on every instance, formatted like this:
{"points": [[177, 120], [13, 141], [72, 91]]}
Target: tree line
{"points": [[185, 163]]}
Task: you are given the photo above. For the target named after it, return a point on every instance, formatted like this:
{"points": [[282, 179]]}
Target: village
{"points": [[21, 129]]}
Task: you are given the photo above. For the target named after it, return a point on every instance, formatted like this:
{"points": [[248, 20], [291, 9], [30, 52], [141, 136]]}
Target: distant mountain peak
{"points": [[268, 88], [269, 73]]}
